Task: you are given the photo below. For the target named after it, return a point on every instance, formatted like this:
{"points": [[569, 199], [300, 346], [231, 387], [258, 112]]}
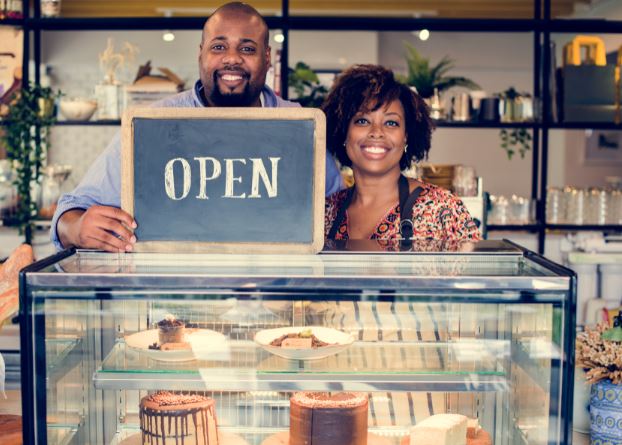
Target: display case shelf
{"points": [[110, 122], [489, 125], [364, 366], [62, 355], [12, 22], [513, 227], [596, 26], [585, 227], [585, 126], [63, 434], [254, 435], [126, 23]]}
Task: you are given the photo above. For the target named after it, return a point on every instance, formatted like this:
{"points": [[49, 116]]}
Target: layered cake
{"points": [[328, 419], [167, 418]]}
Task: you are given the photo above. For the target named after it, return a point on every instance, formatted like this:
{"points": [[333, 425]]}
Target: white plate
{"points": [[339, 341], [197, 338]]}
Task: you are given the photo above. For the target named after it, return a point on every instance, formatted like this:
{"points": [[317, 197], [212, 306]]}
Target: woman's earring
{"points": [[344, 144], [405, 147]]}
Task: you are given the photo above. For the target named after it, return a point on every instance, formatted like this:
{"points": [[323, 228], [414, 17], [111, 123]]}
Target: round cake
{"points": [[11, 429], [169, 418], [328, 418]]}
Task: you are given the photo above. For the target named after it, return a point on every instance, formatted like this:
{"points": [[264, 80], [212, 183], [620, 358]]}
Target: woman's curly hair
{"points": [[365, 88]]}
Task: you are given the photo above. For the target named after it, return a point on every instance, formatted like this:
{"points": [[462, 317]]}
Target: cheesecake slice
{"points": [[441, 429]]}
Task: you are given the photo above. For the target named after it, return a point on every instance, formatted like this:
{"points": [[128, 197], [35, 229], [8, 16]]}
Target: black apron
{"points": [[407, 202]]}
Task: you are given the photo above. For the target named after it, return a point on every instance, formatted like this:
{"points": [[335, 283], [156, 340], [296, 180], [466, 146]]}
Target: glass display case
{"points": [[486, 333]]}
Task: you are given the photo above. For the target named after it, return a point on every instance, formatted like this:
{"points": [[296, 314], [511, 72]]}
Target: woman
{"points": [[378, 127]]}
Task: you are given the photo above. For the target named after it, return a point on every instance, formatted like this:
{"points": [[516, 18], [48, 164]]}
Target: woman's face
{"points": [[376, 139]]}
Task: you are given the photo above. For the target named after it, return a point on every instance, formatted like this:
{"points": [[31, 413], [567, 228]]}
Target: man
{"points": [[234, 57]]}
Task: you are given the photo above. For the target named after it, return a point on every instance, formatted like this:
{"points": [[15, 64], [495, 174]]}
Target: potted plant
{"points": [[599, 351], [26, 138], [307, 87], [426, 78], [515, 139]]}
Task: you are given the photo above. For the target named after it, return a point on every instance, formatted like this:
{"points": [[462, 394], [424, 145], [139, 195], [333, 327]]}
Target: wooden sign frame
{"points": [[319, 167]]}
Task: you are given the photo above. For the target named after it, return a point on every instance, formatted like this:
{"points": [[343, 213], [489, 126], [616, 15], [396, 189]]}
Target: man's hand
{"points": [[100, 227]]}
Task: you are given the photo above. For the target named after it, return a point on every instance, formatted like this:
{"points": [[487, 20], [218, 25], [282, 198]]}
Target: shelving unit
{"points": [[542, 26]]}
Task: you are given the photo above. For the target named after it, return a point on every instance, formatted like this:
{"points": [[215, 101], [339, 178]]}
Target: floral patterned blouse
{"points": [[437, 215]]}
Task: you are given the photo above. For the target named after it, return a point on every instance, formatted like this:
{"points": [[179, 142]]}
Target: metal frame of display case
{"points": [[135, 286]]}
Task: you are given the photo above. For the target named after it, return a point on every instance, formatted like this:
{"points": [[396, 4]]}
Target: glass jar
{"points": [[50, 8], [8, 193], [464, 182], [575, 205], [14, 9], [51, 183], [555, 206]]}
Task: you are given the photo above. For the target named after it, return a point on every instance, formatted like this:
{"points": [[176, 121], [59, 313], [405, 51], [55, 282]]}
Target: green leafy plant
{"points": [[426, 78], [516, 139], [307, 87], [26, 138]]}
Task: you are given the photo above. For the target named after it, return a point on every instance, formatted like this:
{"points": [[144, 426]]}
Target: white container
{"points": [[611, 276], [586, 287]]}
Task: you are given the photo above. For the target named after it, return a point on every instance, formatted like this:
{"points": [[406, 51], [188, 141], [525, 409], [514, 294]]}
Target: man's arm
{"points": [[99, 227], [334, 182], [89, 217]]}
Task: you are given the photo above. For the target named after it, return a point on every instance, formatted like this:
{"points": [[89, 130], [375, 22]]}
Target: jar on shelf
{"points": [[555, 206], [50, 8], [8, 193], [14, 9], [53, 178]]}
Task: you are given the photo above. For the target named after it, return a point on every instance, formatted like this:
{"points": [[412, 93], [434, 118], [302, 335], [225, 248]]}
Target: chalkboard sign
{"points": [[231, 180]]}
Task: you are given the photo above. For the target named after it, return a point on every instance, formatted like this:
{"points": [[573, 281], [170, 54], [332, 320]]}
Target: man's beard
{"points": [[244, 99]]}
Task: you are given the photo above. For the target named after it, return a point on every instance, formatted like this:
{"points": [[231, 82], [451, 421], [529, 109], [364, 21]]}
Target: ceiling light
{"points": [[168, 36], [424, 34], [279, 38]]}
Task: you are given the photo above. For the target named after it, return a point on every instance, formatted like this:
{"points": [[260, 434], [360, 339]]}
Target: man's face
{"points": [[233, 60]]}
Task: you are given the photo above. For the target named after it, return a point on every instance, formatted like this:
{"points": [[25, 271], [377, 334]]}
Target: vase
{"points": [[606, 413]]}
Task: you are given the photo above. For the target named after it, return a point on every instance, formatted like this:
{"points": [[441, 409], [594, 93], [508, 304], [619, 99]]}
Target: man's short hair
{"points": [[241, 8]]}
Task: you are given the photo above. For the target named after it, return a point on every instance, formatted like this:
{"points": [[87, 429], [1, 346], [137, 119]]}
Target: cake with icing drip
{"points": [[167, 418]]}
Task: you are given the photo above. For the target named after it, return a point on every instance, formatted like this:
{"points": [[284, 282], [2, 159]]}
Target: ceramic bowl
{"points": [[78, 109]]}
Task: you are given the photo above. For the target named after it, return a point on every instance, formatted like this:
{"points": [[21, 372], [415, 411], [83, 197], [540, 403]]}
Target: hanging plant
{"points": [[515, 140], [26, 137]]}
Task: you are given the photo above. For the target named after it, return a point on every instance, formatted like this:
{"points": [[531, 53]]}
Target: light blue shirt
{"points": [[102, 183]]}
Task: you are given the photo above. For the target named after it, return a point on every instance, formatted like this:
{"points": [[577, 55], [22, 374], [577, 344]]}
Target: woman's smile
{"points": [[374, 151]]}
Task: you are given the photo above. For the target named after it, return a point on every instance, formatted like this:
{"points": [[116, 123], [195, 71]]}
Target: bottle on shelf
{"points": [[50, 8], [14, 9]]}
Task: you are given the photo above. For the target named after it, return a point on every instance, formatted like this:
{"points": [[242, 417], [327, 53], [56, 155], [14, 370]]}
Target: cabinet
{"points": [[486, 333]]}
